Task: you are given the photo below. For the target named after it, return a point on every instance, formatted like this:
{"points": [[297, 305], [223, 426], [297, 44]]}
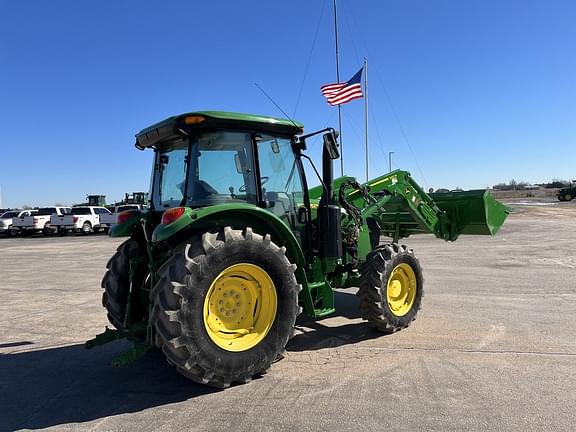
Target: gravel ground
{"points": [[493, 347]]}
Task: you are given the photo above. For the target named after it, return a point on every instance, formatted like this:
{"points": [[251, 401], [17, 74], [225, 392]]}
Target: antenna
{"points": [[275, 104]]}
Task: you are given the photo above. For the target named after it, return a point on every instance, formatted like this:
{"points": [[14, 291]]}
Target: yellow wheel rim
{"points": [[240, 307], [401, 289]]}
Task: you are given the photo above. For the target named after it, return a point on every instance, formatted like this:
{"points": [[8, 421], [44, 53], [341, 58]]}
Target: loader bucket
{"points": [[471, 212]]}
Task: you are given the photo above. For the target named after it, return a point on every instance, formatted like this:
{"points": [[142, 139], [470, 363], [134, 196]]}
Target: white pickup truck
{"points": [[7, 220], [111, 219], [39, 222], [84, 219]]}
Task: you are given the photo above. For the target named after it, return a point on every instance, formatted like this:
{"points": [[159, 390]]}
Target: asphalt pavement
{"points": [[493, 347]]}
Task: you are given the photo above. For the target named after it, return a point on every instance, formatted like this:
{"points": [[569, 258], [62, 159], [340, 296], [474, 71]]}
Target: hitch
{"points": [[107, 336], [137, 350]]}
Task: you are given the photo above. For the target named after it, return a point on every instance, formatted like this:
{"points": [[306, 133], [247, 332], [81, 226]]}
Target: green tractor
{"points": [[567, 193], [235, 245], [96, 200]]}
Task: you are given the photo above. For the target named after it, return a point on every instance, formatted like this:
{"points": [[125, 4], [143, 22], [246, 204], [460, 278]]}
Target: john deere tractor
{"points": [[567, 193], [235, 244]]}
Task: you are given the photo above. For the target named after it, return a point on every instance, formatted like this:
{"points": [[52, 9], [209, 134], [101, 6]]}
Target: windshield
{"points": [[218, 168], [222, 169], [8, 215], [281, 181]]}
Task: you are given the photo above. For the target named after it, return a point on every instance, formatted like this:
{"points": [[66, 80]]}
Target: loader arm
{"points": [[401, 208]]}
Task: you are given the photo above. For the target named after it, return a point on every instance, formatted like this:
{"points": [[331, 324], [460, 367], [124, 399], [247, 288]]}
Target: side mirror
{"points": [[331, 145]]}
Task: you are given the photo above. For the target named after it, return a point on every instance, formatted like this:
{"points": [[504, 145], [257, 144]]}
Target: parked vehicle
{"points": [[40, 222], [92, 200], [19, 222], [85, 219], [110, 219], [567, 193], [7, 218]]}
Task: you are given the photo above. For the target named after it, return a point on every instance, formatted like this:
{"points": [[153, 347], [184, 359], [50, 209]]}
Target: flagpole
{"points": [[366, 112], [338, 80]]}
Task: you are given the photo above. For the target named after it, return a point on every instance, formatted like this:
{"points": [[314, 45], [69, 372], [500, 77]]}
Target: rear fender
{"points": [[126, 228], [237, 216], [240, 216]]}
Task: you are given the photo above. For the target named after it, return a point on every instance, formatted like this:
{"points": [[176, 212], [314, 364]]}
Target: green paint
{"points": [[125, 228]]}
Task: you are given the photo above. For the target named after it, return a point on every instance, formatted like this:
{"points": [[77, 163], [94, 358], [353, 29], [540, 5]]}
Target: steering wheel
{"points": [[263, 181]]}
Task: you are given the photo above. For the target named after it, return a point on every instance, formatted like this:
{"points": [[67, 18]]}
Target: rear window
{"points": [[46, 211], [127, 207], [81, 211]]}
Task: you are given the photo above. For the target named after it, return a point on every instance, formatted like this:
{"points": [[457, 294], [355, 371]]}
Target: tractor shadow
{"points": [[70, 384], [314, 335]]}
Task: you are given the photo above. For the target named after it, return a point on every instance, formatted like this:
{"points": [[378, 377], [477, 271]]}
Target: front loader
{"points": [[235, 244]]}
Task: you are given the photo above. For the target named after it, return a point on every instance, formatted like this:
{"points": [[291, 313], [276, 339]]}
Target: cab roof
{"points": [[175, 125]]}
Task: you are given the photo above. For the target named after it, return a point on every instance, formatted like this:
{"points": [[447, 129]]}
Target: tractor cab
{"points": [[228, 161], [228, 167], [214, 158]]}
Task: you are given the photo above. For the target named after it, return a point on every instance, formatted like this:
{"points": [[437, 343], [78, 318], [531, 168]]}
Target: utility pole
{"points": [[366, 112], [338, 80]]}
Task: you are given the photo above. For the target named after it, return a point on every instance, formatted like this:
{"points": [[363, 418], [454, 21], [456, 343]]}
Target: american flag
{"points": [[340, 93]]}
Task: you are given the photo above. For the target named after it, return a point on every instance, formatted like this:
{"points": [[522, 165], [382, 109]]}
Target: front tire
{"points": [[391, 288], [225, 306]]}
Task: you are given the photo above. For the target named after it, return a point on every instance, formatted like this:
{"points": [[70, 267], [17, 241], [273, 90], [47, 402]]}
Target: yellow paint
{"points": [[240, 307], [401, 289]]}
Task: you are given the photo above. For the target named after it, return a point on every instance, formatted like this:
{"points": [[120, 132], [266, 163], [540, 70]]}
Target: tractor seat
{"points": [[280, 203]]}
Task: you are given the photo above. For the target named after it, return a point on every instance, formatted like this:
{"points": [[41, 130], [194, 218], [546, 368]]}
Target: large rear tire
{"points": [[225, 306], [391, 288], [116, 282]]}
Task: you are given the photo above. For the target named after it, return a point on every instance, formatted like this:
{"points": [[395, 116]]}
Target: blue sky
{"points": [[465, 93]]}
